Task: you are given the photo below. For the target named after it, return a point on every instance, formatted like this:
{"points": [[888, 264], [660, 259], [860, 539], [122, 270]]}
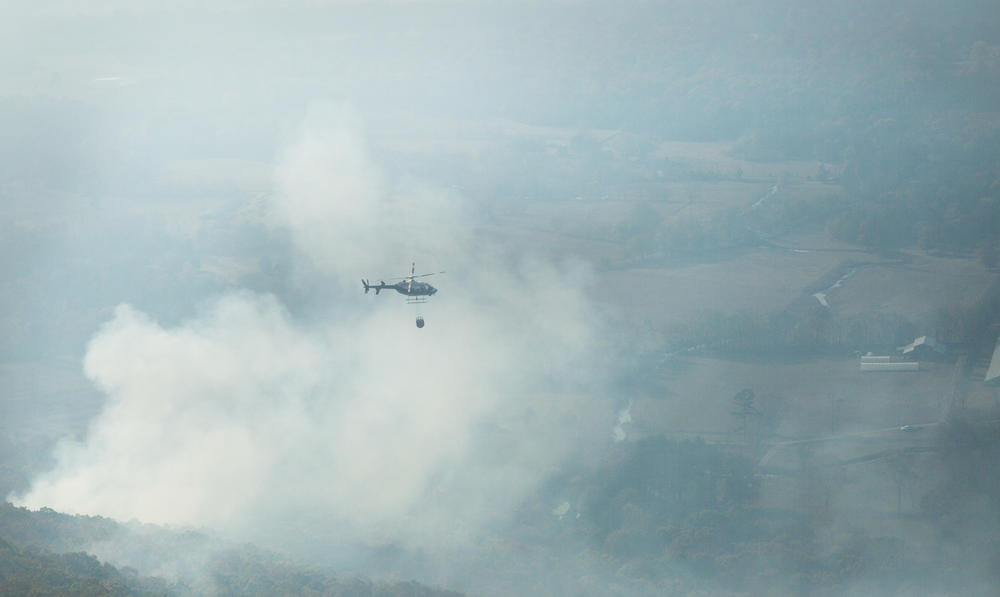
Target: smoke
{"points": [[248, 419], [329, 194], [346, 217]]}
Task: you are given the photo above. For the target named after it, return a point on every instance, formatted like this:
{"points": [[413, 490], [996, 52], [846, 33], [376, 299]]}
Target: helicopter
{"points": [[415, 292]]}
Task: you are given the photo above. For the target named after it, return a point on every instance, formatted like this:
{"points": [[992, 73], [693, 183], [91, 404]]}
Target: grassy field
{"points": [[756, 281], [915, 289], [718, 156], [802, 397]]}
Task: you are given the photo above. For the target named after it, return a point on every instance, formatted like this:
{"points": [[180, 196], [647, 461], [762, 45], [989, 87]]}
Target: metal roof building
{"points": [[993, 373], [925, 347]]}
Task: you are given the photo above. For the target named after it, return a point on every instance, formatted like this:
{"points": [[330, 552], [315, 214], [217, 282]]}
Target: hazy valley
{"points": [[671, 236]]}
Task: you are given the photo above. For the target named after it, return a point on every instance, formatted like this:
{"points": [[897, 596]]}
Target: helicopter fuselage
{"points": [[405, 287], [412, 289]]}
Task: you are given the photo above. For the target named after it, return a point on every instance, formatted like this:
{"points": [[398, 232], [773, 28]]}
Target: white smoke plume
{"points": [[346, 217], [245, 418]]}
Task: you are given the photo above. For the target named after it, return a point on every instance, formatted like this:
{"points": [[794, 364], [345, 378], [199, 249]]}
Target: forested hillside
{"points": [[28, 572], [44, 553]]}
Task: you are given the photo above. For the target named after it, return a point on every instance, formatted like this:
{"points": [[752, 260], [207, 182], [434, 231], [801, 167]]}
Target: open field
{"points": [[673, 202], [757, 281], [718, 157], [763, 279], [410, 134], [914, 290], [803, 397]]}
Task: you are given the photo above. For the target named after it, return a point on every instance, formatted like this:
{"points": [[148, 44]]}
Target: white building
{"points": [[890, 366]]}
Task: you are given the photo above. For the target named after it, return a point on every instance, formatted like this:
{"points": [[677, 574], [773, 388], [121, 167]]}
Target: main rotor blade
{"points": [[416, 276]]}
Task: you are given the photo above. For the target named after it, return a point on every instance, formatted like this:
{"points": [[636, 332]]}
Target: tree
{"points": [[745, 410]]}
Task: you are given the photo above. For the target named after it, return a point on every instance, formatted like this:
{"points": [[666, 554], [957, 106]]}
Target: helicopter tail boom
{"points": [[368, 286]]}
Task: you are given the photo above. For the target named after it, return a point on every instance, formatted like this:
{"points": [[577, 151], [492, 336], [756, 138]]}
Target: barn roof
{"points": [[993, 373], [927, 341]]}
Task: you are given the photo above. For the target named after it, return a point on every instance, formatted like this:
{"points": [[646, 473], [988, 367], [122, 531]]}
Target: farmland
{"points": [[652, 292]]}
